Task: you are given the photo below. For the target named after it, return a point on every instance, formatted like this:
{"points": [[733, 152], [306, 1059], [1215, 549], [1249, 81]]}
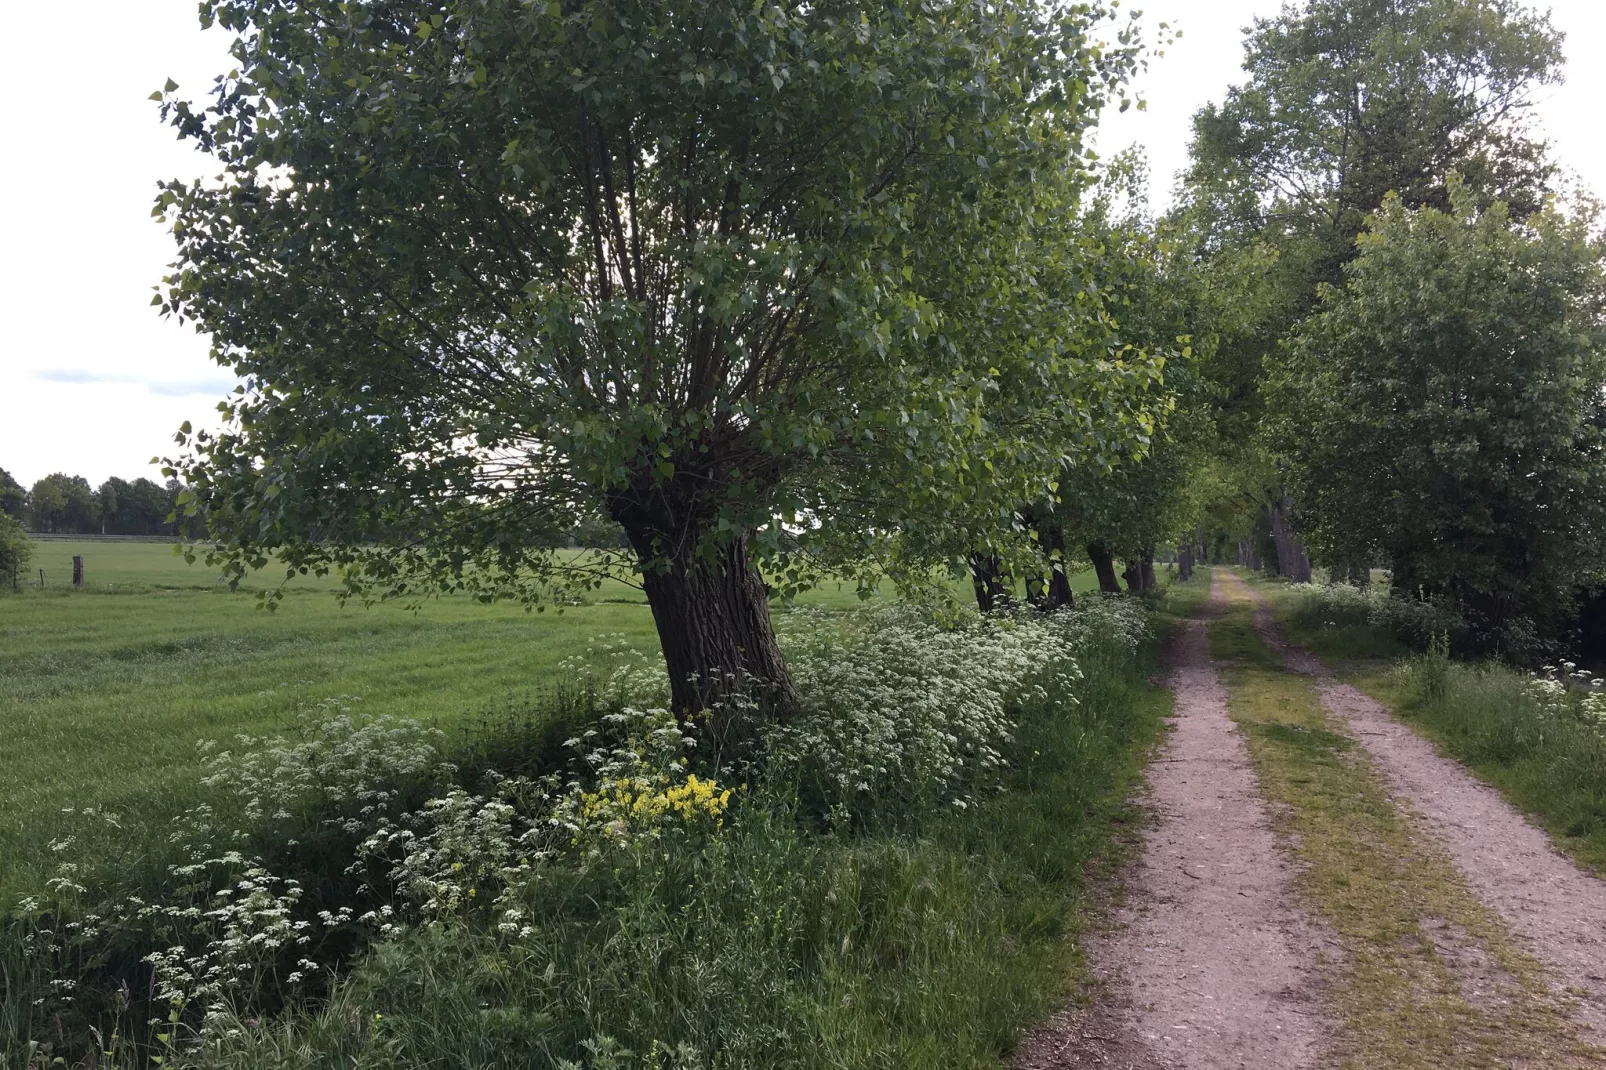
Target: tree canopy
{"points": [[1349, 100], [730, 272], [13, 497], [1446, 409]]}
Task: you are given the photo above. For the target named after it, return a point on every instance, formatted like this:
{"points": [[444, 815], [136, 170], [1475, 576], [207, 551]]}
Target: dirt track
{"points": [[1213, 964], [1556, 910]]}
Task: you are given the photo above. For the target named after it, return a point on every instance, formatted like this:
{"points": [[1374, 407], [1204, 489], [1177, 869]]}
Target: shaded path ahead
{"points": [[1212, 966], [1215, 961]]}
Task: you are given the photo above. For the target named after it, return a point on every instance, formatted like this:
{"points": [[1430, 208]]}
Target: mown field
{"points": [[106, 691]]}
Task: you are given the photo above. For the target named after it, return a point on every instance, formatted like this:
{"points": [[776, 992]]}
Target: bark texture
{"points": [[712, 612], [1103, 567], [1054, 591], [992, 585], [1292, 560]]}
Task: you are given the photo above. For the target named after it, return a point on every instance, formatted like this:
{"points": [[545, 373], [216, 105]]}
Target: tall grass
{"points": [[1548, 756], [1343, 621]]}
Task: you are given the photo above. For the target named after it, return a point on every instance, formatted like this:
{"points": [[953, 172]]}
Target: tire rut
{"points": [[1211, 967], [1555, 910]]}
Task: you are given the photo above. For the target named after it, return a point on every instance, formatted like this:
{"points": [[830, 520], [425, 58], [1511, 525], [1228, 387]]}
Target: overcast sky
{"points": [[93, 382]]}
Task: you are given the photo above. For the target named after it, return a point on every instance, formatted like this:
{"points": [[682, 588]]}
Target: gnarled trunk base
{"points": [[713, 616]]}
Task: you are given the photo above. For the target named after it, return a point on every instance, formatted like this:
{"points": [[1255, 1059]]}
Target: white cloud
{"points": [[92, 380]]}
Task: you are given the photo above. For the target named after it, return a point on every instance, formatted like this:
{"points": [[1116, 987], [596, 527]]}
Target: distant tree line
{"points": [[60, 504]]}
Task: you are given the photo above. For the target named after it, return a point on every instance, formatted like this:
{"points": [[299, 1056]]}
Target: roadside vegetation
{"points": [[888, 880], [739, 338], [1537, 735]]}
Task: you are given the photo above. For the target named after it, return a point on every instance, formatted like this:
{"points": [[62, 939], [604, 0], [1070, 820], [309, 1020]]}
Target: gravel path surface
{"points": [[1211, 967], [1555, 909]]}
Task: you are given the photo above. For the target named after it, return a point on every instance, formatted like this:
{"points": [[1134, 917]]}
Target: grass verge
{"points": [[1549, 762], [929, 940], [775, 948], [1548, 758], [1429, 977]]}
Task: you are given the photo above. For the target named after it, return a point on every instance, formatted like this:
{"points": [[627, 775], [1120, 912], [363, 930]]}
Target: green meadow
{"points": [[105, 691]]}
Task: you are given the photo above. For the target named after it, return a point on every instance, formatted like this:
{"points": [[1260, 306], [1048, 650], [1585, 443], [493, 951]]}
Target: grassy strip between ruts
{"points": [[1548, 759], [1428, 976]]}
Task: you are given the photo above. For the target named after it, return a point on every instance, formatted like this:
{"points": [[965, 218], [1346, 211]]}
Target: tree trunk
{"points": [[992, 586], [1185, 561], [711, 608], [1146, 572], [1279, 537], [1103, 567], [1133, 575], [1055, 593], [713, 619], [1292, 561]]}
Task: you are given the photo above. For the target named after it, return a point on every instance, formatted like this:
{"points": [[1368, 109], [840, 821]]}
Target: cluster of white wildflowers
{"points": [[335, 763], [462, 852], [628, 675], [239, 937], [630, 785], [1567, 690], [895, 701], [234, 924]]}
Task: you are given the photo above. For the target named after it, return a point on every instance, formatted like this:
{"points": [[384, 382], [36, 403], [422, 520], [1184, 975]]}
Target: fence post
{"points": [[77, 571], [41, 578]]}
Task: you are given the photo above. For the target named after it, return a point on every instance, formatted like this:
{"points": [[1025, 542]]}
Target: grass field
{"points": [[913, 933], [105, 691]]}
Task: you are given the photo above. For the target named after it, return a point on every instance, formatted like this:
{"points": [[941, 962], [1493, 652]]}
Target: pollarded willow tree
{"points": [[488, 266]]}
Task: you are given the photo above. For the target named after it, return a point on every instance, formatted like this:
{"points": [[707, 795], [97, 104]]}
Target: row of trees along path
{"points": [[1320, 888]]}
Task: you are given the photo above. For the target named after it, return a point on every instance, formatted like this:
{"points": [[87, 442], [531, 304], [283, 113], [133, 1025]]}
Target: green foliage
{"points": [[1338, 619], [1141, 501], [704, 268], [62, 503], [1445, 410], [13, 498], [1347, 101], [140, 507], [16, 550], [1134, 501], [1343, 102]]}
